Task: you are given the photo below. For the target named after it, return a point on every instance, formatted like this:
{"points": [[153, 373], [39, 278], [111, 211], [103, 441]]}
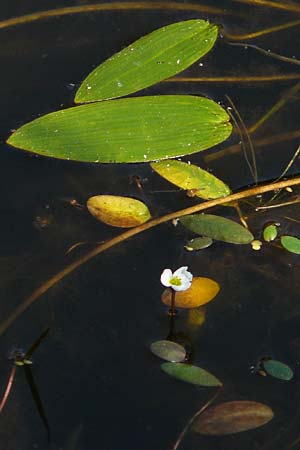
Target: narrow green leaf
{"points": [[152, 58], [291, 244], [198, 243], [218, 228], [232, 417], [278, 369], [127, 130], [270, 232], [168, 350], [190, 374], [191, 177]]}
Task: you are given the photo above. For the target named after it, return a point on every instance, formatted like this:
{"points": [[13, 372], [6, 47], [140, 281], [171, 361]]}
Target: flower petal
{"points": [[185, 284], [183, 272], [165, 277]]}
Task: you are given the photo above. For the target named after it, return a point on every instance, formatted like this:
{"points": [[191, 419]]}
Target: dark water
{"points": [[100, 386]]}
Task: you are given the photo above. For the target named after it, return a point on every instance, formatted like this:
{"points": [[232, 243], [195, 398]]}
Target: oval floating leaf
{"points": [[124, 212], [168, 350], [270, 233], [291, 244], [127, 130], [188, 176], [198, 243], [218, 228], [154, 57], [191, 374], [278, 369], [232, 417], [202, 291]]}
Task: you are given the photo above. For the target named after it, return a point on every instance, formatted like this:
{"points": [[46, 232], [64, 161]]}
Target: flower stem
{"points": [[8, 387]]}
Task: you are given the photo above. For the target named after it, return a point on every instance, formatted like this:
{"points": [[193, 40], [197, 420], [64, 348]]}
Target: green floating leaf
{"points": [[127, 130], [278, 369], [218, 228], [124, 212], [270, 233], [152, 58], [191, 177], [232, 417], [191, 374], [291, 244], [198, 243], [168, 350]]}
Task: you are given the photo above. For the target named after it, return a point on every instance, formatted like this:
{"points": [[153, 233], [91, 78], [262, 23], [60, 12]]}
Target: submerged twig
{"points": [[272, 4], [191, 421], [234, 79], [263, 32], [267, 52], [8, 387], [278, 205], [134, 231]]}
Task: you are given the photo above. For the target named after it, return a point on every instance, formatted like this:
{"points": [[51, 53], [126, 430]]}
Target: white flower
{"points": [[180, 280]]}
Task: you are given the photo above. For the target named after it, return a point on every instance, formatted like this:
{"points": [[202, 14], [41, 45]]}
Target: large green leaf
{"points": [[127, 130], [155, 57], [291, 244], [218, 228], [191, 374], [191, 177]]}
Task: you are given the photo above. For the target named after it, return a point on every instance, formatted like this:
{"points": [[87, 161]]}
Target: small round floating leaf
{"points": [[168, 350], [191, 177], [291, 244], [152, 58], [127, 130], [218, 228], [198, 243], [202, 291], [270, 233], [278, 369], [232, 417], [191, 374], [124, 212]]}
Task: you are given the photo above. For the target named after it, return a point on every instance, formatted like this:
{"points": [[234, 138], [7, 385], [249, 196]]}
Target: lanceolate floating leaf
{"points": [[188, 176], [154, 57], [191, 374], [168, 350], [278, 369], [202, 291], [291, 244], [127, 130], [218, 228], [232, 417], [124, 212]]}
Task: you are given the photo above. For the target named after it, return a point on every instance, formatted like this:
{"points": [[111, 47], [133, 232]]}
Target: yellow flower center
{"points": [[175, 281]]}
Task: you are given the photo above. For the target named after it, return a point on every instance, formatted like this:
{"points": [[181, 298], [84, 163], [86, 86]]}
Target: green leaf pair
{"points": [[134, 129]]}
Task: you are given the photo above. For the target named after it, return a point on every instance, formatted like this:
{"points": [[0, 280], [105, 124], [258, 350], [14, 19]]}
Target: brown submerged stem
{"points": [[133, 232]]}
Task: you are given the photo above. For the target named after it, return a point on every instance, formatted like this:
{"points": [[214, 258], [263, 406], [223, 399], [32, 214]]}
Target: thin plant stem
{"points": [[115, 6], [191, 421], [135, 231], [267, 52], [272, 4], [264, 32], [278, 205], [8, 387], [234, 79]]}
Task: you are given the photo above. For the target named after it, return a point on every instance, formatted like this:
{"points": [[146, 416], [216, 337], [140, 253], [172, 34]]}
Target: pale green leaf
{"points": [[168, 350], [198, 243], [270, 232], [218, 228], [291, 244], [152, 58], [277, 369], [191, 177], [127, 130], [191, 374]]}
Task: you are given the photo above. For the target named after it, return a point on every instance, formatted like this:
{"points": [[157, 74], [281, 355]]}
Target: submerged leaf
{"points": [[124, 212], [270, 233], [202, 291], [152, 58], [232, 417], [278, 369], [168, 350], [127, 130], [291, 244], [218, 228], [196, 316], [198, 243], [191, 177], [191, 374]]}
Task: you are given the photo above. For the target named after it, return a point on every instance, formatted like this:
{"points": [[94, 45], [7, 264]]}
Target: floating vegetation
{"points": [[291, 244], [168, 350], [191, 374], [270, 232], [198, 243], [277, 369]]}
